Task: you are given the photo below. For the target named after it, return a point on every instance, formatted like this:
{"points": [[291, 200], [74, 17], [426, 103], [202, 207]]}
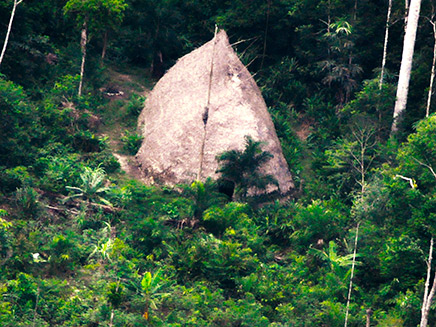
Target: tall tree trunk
{"points": [[352, 275], [16, 3], [385, 46], [83, 42], [265, 35], [36, 307], [329, 21], [428, 297], [430, 88], [368, 317], [406, 63], [111, 320], [355, 12], [103, 51]]}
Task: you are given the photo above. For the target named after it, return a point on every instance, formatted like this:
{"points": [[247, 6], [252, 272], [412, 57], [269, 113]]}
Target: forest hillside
{"points": [[206, 104], [85, 242]]}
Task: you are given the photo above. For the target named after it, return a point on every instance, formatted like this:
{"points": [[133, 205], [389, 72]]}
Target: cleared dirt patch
{"points": [[121, 89], [129, 166], [304, 130]]}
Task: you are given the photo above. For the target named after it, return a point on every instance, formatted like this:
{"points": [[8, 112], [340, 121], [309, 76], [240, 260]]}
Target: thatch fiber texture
{"points": [[204, 105]]}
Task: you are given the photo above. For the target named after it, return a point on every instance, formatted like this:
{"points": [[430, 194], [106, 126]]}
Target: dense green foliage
{"points": [[81, 244], [243, 169]]}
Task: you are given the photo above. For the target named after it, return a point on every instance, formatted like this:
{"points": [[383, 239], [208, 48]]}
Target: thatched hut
{"points": [[205, 104]]}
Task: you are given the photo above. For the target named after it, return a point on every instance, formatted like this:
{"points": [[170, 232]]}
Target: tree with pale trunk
{"points": [[357, 153], [433, 68], [11, 20], [110, 15], [94, 16], [406, 63], [385, 45], [418, 159], [350, 287], [428, 294]]}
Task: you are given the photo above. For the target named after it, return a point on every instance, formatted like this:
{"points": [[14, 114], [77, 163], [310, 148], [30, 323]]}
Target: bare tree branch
{"points": [[425, 165], [410, 180]]}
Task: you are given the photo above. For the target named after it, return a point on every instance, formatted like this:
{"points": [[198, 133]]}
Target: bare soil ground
{"points": [[304, 130], [119, 89]]}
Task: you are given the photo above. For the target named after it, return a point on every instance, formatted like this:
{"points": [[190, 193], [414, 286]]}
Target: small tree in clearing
{"points": [[94, 15]]}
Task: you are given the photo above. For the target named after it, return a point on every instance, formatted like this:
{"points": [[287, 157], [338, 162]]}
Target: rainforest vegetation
{"points": [[84, 244]]}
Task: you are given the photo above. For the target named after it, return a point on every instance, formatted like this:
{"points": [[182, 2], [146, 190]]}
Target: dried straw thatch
{"points": [[205, 104]]}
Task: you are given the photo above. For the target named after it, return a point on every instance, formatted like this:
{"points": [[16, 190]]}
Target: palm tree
{"points": [[243, 168], [341, 72], [203, 195]]}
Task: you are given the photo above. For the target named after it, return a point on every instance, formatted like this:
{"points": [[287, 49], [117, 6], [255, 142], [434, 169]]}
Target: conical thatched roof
{"points": [[205, 104]]}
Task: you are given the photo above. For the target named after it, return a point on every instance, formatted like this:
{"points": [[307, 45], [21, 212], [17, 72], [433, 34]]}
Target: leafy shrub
{"points": [[5, 306], [92, 185], [402, 258], [104, 159], [291, 145], [148, 234], [5, 236], [59, 171], [85, 141], [417, 157], [281, 82], [207, 257], [375, 103], [350, 159], [275, 221], [317, 221], [13, 178], [64, 252], [27, 200], [65, 89], [203, 196], [217, 219], [18, 126], [131, 142], [24, 289], [135, 105]]}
